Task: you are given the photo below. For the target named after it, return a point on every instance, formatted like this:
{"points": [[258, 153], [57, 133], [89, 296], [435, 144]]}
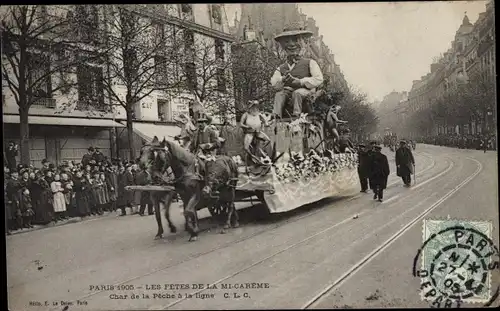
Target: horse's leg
{"points": [[190, 215], [168, 202], [235, 218], [156, 203]]}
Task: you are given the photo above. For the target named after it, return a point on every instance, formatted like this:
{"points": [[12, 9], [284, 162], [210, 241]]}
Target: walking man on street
{"points": [[379, 172], [363, 167], [404, 163]]}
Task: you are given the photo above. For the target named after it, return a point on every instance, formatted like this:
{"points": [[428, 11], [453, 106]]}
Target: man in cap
{"points": [[251, 122], [404, 163], [363, 167], [379, 172], [298, 77]]}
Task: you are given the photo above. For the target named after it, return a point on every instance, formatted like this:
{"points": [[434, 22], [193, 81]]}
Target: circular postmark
{"points": [[456, 265]]}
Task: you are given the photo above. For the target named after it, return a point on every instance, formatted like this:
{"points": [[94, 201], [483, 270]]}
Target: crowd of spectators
{"points": [[39, 196], [477, 142]]}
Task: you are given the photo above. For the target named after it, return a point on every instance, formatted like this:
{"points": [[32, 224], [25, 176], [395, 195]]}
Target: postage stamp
{"points": [[457, 260]]}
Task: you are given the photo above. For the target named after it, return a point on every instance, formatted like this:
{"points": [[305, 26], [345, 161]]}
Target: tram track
{"points": [[258, 233], [363, 262], [289, 247], [309, 238]]}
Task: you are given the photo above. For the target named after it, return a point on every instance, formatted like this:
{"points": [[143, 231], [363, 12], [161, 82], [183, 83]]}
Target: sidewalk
{"points": [[202, 214], [73, 220]]}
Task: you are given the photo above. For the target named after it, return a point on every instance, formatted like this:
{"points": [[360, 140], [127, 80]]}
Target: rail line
{"points": [[363, 262], [346, 220], [237, 241]]}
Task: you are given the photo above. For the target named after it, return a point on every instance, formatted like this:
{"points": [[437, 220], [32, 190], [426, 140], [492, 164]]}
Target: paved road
{"points": [[339, 243]]}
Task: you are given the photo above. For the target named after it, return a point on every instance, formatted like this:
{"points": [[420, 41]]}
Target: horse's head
{"points": [[154, 156]]}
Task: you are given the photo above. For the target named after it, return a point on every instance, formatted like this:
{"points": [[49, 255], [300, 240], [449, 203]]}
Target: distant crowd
{"points": [[40, 195], [478, 141]]}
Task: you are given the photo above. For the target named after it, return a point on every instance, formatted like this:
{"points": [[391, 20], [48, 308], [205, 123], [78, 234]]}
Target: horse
{"points": [[158, 156]]}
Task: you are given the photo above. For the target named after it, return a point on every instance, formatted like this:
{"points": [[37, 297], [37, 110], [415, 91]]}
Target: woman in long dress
{"points": [[81, 187], [59, 202], [42, 196]]}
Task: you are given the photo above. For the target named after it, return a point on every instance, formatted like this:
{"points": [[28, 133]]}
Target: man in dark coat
{"points": [[363, 167], [13, 198], [88, 157], [143, 178], [379, 172], [11, 154], [127, 197], [98, 157], [369, 153], [404, 163]]}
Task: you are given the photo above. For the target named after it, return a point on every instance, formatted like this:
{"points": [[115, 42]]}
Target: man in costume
{"points": [[299, 77], [252, 122], [404, 163]]}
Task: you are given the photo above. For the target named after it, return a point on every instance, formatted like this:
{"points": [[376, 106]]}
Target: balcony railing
{"points": [[86, 105], [44, 102]]}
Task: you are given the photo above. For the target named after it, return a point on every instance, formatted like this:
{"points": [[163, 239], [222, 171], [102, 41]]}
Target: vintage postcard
{"points": [[208, 156]]}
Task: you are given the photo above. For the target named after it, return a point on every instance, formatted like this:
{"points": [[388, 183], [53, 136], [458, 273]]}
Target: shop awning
{"points": [[148, 130], [63, 121]]}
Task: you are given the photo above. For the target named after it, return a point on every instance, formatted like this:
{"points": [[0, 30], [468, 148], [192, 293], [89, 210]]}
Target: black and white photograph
{"points": [[200, 156]]}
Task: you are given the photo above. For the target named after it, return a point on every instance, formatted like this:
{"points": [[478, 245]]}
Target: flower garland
{"points": [[313, 165]]}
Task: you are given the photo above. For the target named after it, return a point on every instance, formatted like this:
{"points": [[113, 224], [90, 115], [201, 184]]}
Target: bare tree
{"points": [[39, 53], [142, 57], [253, 65]]}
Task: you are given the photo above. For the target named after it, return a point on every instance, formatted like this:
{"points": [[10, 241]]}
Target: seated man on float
{"points": [[298, 78]]}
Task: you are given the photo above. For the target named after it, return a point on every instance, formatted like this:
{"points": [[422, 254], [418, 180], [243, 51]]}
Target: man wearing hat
{"points": [[404, 163], [89, 156], [298, 77], [379, 172], [363, 167], [251, 122], [205, 138]]}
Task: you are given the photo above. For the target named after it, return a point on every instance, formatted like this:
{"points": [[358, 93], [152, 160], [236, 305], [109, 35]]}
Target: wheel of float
{"points": [[217, 211], [262, 210]]}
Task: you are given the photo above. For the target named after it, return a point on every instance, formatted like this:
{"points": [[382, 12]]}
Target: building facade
{"points": [[471, 56], [64, 123]]}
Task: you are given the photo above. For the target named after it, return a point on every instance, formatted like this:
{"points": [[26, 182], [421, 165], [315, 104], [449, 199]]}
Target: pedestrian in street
{"points": [[112, 184], [369, 154], [363, 167], [379, 172], [404, 163]]}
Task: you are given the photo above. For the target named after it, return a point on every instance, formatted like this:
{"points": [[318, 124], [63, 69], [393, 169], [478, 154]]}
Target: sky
{"points": [[384, 46]]}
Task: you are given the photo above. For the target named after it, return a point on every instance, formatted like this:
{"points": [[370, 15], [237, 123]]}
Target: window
{"points": [[86, 23], [164, 110], [187, 11], [161, 68], [217, 13], [130, 65], [38, 78], [191, 78], [189, 45], [221, 80], [90, 86], [219, 49]]}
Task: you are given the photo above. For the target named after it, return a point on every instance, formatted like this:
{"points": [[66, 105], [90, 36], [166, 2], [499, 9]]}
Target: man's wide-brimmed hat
{"points": [[204, 118], [252, 103], [377, 147], [293, 31], [402, 141]]}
